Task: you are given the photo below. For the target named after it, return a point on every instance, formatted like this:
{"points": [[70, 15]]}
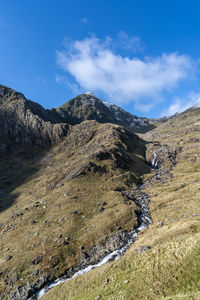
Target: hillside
{"points": [[59, 202], [72, 190], [169, 267]]}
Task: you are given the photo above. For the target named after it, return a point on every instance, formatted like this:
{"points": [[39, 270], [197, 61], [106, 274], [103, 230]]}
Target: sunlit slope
{"points": [[170, 269]]}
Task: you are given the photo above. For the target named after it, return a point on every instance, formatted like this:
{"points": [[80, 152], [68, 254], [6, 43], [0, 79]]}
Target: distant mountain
{"points": [[26, 123], [89, 107]]}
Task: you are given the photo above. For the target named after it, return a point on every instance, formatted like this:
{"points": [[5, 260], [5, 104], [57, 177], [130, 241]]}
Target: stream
{"points": [[144, 220]]}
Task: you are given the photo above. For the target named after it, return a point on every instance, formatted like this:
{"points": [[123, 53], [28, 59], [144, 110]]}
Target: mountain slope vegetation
{"points": [[170, 268], [60, 198], [68, 185]]}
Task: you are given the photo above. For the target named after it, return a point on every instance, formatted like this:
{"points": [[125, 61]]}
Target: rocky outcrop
{"points": [[159, 155], [24, 124]]}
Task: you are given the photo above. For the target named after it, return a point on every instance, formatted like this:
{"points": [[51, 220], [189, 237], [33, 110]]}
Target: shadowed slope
{"points": [[71, 195]]}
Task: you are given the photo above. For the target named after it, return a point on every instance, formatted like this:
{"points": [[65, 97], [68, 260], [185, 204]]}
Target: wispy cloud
{"points": [[131, 43], [181, 104], [96, 66], [75, 88]]}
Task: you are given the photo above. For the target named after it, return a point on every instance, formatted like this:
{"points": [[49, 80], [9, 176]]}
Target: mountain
{"points": [[74, 186], [64, 190], [163, 263], [88, 107], [24, 123]]}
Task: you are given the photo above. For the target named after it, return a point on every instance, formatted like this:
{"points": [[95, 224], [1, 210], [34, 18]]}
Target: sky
{"points": [[141, 55]]}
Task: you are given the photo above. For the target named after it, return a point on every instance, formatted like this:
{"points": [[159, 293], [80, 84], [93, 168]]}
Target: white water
{"points": [[154, 163], [110, 257]]}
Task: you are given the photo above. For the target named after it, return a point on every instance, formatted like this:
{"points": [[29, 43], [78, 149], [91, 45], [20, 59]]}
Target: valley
{"points": [[71, 186]]}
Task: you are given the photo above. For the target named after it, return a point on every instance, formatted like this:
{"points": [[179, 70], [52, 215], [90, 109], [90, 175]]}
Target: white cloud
{"points": [[181, 104], [95, 66], [132, 43]]}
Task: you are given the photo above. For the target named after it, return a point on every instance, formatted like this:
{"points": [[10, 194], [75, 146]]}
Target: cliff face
{"points": [[24, 123]]}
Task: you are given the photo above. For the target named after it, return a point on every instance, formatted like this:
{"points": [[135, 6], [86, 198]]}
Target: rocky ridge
{"points": [[89, 107], [24, 123]]}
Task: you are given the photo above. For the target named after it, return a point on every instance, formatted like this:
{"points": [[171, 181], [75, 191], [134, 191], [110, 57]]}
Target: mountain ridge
{"points": [[26, 123]]}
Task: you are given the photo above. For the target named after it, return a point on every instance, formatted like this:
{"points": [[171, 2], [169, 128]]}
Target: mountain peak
{"points": [[89, 94]]}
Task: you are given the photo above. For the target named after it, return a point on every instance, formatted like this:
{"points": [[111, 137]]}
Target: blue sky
{"points": [[142, 55]]}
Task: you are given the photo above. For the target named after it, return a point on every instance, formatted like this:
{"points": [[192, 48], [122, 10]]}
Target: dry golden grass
{"points": [[37, 187], [170, 269]]}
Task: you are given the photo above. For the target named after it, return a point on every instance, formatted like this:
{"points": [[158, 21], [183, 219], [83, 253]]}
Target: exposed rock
{"points": [[160, 223], [88, 107], [107, 281], [55, 263], [9, 257], [14, 277], [21, 293], [37, 260], [35, 272], [126, 281], [85, 255], [101, 210], [142, 249], [65, 242], [24, 123]]}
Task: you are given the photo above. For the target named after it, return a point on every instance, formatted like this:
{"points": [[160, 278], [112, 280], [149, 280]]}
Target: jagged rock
{"points": [[55, 263], [37, 260], [21, 293], [24, 123], [85, 255], [65, 242], [35, 272], [40, 282], [101, 210], [14, 277], [9, 257]]}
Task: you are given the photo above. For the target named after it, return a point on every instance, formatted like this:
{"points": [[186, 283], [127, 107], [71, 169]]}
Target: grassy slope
{"points": [[37, 201], [170, 269]]}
